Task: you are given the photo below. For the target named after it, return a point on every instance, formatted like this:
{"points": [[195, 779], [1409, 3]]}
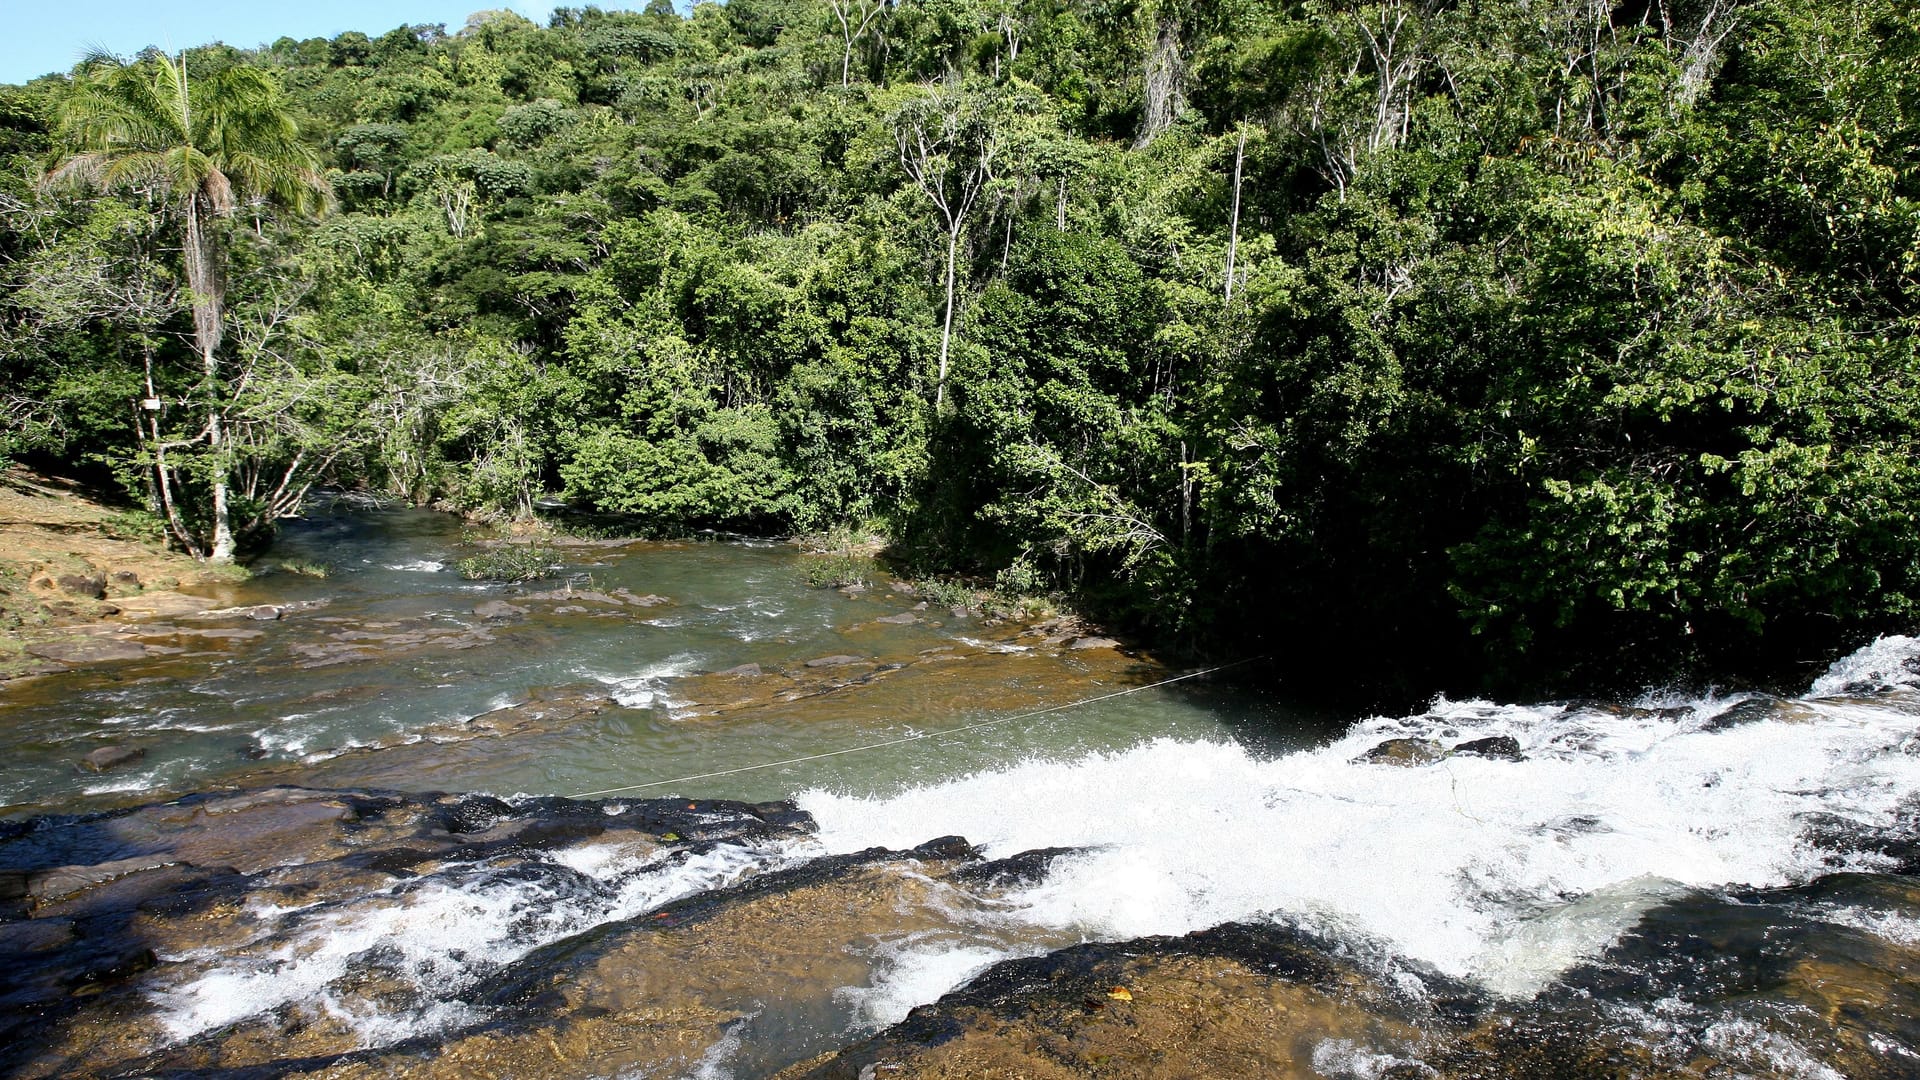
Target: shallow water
{"points": [[1673, 886], [226, 708]]}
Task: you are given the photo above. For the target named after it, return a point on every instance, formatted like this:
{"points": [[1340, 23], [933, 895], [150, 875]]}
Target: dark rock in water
{"points": [[88, 650], [1026, 868], [947, 847], [112, 757], [839, 660], [1756, 709], [1404, 752], [475, 814], [744, 670], [264, 613], [84, 586], [1504, 747], [498, 610]]}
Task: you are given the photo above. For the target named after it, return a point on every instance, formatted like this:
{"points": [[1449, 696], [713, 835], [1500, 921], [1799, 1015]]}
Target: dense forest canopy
{"points": [[1523, 340]]}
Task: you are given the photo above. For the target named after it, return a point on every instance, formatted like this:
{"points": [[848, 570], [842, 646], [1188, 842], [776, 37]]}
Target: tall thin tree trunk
{"points": [[946, 328], [1233, 234], [1060, 207], [203, 280]]}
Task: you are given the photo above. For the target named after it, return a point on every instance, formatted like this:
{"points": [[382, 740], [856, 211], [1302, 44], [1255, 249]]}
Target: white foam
{"points": [[1896, 927], [1499, 871], [647, 687], [437, 934], [420, 566], [1888, 663], [914, 974]]}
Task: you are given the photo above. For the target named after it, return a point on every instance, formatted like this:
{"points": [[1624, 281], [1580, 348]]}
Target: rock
{"points": [[649, 600], [839, 660], [745, 670], [264, 613], [853, 590], [905, 618], [1093, 643], [165, 604], [84, 586], [1404, 752], [1505, 747], [498, 610], [905, 587], [111, 757], [126, 578], [921, 606], [88, 650]]}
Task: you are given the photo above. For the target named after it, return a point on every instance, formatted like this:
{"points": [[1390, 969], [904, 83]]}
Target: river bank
{"points": [[74, 571]]}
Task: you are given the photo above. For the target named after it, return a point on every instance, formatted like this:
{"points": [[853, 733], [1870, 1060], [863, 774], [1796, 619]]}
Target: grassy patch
{"points": [[306, 568], [510, 563], [135, 526], [839, 571]]}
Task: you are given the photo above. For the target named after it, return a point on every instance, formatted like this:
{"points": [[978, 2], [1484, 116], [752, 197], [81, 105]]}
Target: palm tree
{"points": [[204, 147]]}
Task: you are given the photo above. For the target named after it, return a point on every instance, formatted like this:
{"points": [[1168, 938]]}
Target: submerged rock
{"points": [[498, 610], [88, 650], [110, 757]]}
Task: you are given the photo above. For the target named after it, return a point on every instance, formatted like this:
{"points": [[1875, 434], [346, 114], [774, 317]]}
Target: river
{"points": [[1692, 885]]}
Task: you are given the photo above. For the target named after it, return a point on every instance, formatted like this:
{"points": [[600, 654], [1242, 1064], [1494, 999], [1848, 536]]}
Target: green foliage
{"points": [[510, 562], [1560, 341], [837, 571], [306, 568]]}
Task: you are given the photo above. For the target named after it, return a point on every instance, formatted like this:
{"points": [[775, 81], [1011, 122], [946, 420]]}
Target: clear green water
{"points": [[255, 709]]}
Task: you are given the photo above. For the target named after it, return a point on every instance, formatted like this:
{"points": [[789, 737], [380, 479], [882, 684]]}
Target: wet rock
{"points": [[498, 610], [1404, 752], [647, 600], [84, 586], [1026, 868], [906, 588], [1756, 709], [1093, 643], [855, 589], [126, 579], [1504, 747], [200, 880], [112, 757], [743, 671], [264, 613], [838, 660], [1237, 1000], [88, 650], [475, 814], [905, 618]]}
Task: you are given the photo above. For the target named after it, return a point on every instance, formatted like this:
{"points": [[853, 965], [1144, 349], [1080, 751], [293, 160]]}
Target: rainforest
{"points": [[1543, 345]]}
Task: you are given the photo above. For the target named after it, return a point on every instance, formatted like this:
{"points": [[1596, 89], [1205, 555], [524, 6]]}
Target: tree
{"points": [[206, 147], [954, 141]]}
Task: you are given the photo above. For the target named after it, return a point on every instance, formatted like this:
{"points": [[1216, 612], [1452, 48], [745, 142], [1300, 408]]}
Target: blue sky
{"points": [[41, 36]]}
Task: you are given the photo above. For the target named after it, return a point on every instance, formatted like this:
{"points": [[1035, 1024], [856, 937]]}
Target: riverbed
{"points": [[673, 812]]}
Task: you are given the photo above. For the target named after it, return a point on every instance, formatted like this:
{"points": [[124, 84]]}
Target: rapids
{"points": [[1178, 881]]}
